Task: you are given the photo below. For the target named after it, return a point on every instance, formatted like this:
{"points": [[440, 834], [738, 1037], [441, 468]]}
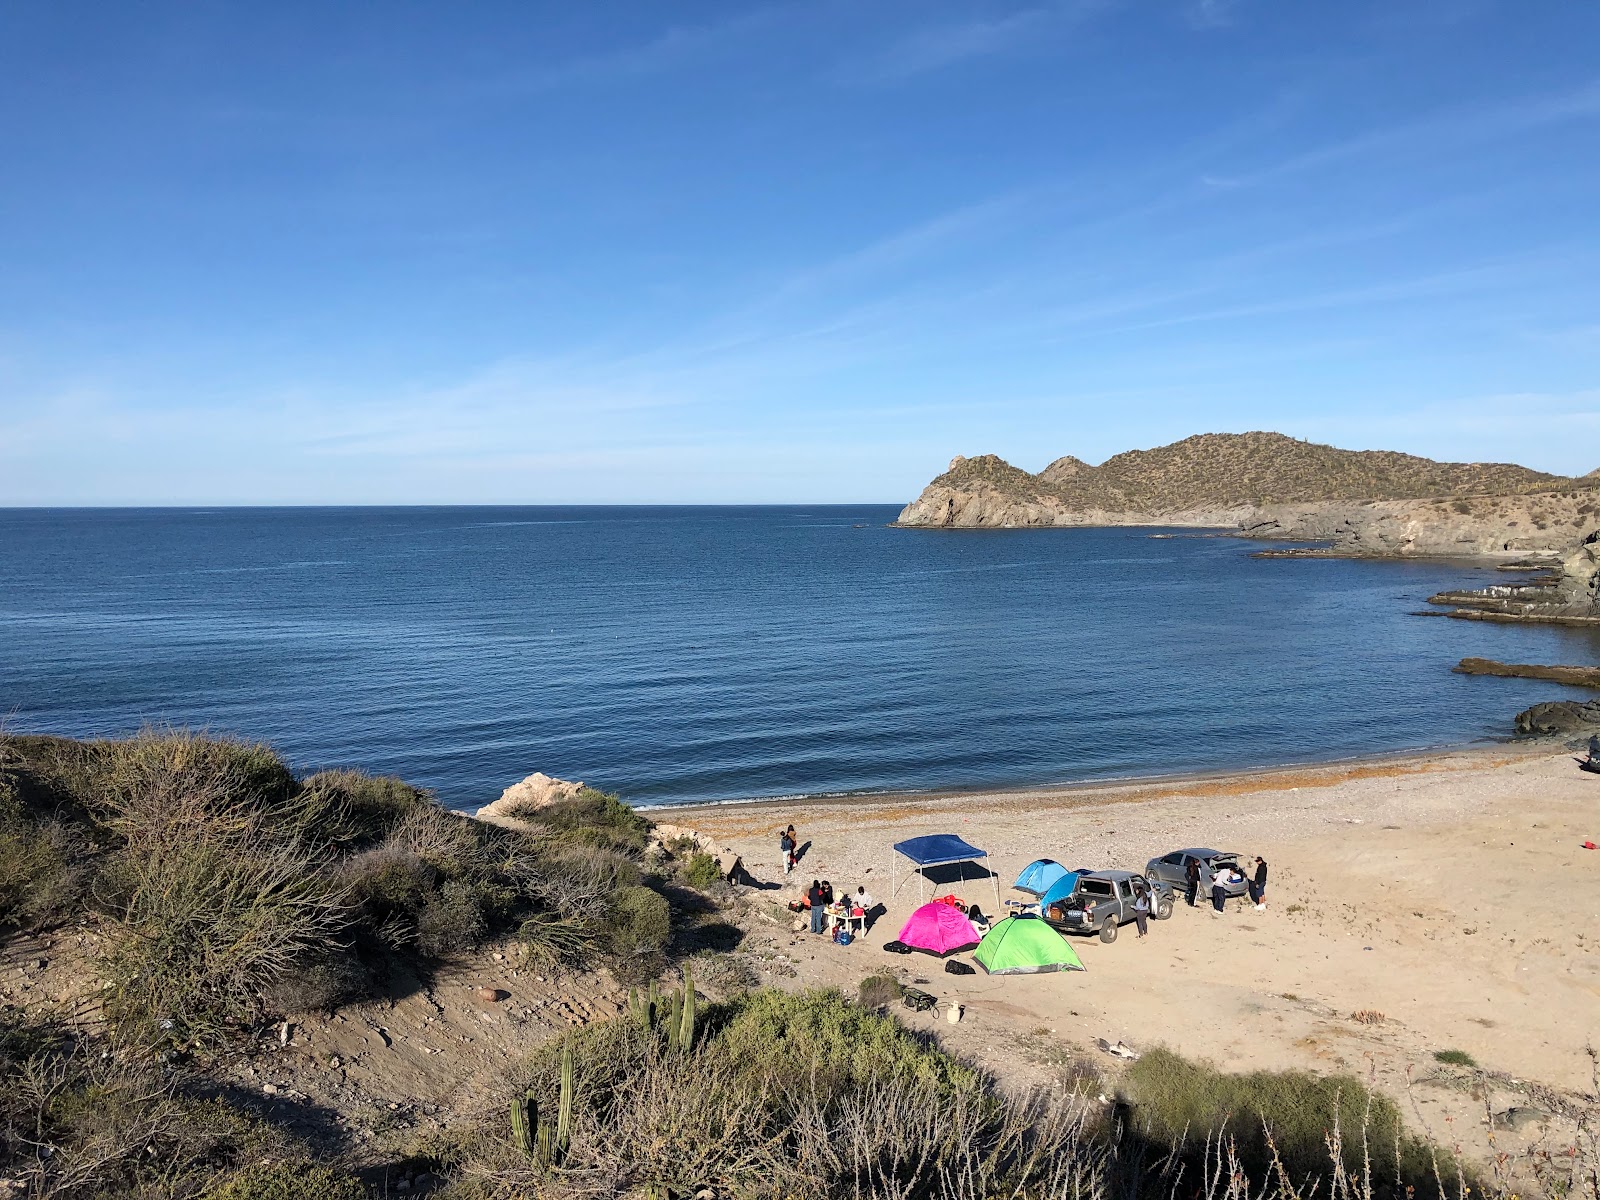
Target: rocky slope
{"points": [[1272, 486]]}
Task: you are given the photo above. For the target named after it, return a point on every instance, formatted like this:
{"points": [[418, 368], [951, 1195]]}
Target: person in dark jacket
{"points": [[1258, 885], [1141, 910], [1192, 873], [818, 906]]}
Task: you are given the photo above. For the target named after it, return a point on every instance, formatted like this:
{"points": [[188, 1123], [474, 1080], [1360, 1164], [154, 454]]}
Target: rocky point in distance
{"points": [[1268, 485]]}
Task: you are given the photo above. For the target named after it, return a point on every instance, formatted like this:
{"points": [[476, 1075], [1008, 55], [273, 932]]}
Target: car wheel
{"points": [[1108, 931], [1163, 910]]}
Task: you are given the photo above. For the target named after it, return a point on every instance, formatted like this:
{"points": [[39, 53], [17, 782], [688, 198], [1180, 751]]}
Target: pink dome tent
{"points": [[939, 929]]}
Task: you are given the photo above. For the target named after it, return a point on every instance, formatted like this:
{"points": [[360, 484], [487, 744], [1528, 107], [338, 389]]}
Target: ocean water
{"points": [[686, 654]]}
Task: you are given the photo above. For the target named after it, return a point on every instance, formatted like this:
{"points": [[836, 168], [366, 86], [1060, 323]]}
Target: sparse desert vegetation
{"points": [[217, 895]]}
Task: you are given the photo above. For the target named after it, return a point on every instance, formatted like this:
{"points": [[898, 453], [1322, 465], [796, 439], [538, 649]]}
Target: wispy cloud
{"points": [[1452, 130], [676, 48], [1211, 14], [934, 47]]}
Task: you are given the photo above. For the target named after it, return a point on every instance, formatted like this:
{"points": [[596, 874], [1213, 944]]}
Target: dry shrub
{"points": [[581, 881], [878, 990], [1368, 1016], [41, 874], [214, 894], [288, 1181], [355, 810], [83, 1123]]}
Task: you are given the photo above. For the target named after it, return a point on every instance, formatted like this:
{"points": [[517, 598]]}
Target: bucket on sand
{"points": [[953, 1013]]}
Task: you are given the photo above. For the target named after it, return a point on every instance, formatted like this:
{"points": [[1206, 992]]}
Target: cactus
{"points": [[524, 1120], [640, 1009], [564, 1113], [686, 1033], [674, 1020]]}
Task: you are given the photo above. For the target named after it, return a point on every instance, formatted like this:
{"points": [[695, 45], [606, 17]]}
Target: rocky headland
{"points": [[1268, 485]]}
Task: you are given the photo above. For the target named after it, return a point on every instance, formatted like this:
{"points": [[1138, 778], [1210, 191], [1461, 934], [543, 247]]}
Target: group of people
{"points": [[823, 904], [1225, 877]]}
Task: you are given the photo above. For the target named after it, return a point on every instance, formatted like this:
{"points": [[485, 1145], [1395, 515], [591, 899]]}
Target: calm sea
{"points": [[678, 654]]}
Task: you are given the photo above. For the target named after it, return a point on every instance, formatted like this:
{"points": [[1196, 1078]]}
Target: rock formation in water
{"points": [[1588, 677], [1268, 485], [1558, 717]]}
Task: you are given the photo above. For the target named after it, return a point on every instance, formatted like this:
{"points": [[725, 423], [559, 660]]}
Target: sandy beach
{"points": [[1448, 893]]}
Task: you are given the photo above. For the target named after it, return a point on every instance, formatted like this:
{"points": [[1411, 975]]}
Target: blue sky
{"points": [[697, 252]]}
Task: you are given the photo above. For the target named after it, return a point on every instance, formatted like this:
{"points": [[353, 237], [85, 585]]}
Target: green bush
{"points": [[1182, 1102], [288, 1181], [592, 818], [638, 932], [702, 871], [1455, 1058], [388, 882]]}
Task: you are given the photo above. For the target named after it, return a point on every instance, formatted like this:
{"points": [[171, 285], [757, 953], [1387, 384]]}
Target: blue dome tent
{"points": [[1058, 891], [1038, 875]]}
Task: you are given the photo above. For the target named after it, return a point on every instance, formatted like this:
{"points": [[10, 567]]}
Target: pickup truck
{"points": [[1104, 900]]}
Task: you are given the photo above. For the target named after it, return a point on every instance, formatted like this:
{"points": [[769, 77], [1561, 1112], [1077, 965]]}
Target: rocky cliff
{"points": [[1271, 486]]}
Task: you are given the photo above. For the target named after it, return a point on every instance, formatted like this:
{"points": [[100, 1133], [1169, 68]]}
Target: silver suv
{"points": [[1173, 869]]}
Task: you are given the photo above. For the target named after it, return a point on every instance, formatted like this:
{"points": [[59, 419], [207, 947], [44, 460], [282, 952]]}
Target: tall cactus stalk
{"points": [[674, 1022], [524, 1121], [564, 1113], [686, 1032]]}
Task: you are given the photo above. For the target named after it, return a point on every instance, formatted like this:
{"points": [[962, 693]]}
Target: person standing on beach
{"points": [[786, 847], [818, 905], [794, 846], [1258, 886], [1219, 892], [1141, 911], [1192, 873]]}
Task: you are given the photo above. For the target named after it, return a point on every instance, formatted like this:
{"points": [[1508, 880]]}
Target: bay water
{"points": [[690, 654]]}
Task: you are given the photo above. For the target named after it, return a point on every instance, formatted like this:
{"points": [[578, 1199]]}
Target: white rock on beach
{"points": [[536, 791]]}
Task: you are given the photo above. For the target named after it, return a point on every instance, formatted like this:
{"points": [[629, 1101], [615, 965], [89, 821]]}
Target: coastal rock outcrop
{"points": [[536, 791], [1571, 676], [1267, 485], [1558, 717]]}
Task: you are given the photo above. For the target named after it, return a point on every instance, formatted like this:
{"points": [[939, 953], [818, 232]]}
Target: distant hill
{"points": [[1224, 479], [1220, 469]]}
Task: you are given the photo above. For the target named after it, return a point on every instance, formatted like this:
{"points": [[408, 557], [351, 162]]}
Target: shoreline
{"points": [[1316, 772]]}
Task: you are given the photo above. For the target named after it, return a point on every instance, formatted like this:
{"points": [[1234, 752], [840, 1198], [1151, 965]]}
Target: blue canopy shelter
{"points": [[1038, 875], [941, 850]]}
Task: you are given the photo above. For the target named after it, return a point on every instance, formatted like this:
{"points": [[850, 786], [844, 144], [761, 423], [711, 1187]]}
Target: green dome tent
{"points": [[1025, 945]]}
